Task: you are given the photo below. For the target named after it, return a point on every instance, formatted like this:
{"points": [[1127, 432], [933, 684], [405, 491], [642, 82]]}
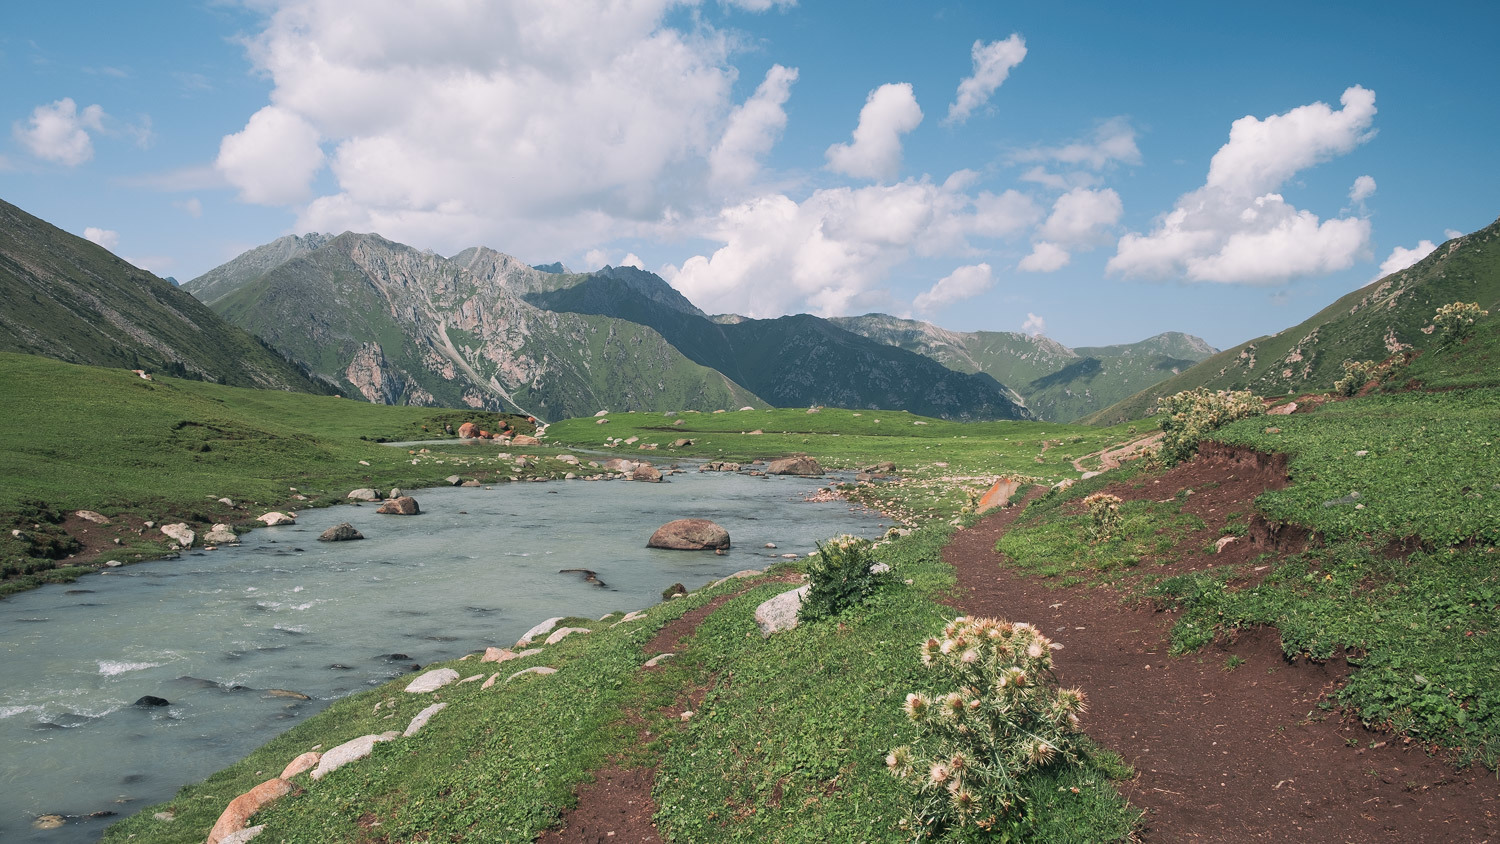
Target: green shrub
{"points": [[840, 578], [1001, 718], [1456, 320], [1359, 373], [1104, 515], [1193, 414]]}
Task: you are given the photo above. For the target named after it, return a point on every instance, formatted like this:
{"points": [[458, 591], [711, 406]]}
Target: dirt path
{"points": [[1110, 458], [1220, 755]]}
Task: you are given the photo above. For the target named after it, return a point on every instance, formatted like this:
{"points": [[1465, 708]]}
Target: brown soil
{"points": [[617, 806], [1225, 755]]}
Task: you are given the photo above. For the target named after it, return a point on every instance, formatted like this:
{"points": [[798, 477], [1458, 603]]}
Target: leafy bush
{"points": [[1192, 414], [1358, 373], [1104, 515], [1456, 320], [1003, 718], [841, 578]]}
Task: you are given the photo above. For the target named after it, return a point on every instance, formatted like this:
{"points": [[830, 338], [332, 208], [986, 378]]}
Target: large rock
{"points": [[304, 762], [273, 519], [524, 439], [180, 533], [91, 516], [620, 464], [647, 473], [241, 808], [220, 534], [801, 465], [347, 752], [539, 629], [432, 681], [780, 612], [689, 535], [468, 430], [342, 532], [998, 495], [363, 494], [403, 506]]}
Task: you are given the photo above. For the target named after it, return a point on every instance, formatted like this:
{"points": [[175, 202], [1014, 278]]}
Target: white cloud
{"points": [[632, 260], [59, 132], [1401, 258], [1449, 234], [107, 238], [1034, 325], [192, 205], [1236, 228], [1080, 216], [1044, 258], [992, 64], [754, 127], [1112, 143], [890, 112], [962, 283], [1363, 188], [273, 159], [829, 253]]}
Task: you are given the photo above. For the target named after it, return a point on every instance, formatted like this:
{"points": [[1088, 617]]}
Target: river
{"points": [[214, 631]]}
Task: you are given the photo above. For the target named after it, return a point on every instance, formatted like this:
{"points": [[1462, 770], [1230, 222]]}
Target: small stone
{"points": [[471, 679], [1223, 541], [657, 660], [562, 633], [244, 836], [91, 516], [489, 682], [151, 701], [535, 669], [342, 532], [780, 613], [165, 816], [114, 564], [421, 719], [686, 716]]}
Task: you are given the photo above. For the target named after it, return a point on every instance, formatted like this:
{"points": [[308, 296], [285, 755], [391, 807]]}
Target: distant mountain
{"points": [[554, 267], [1374, 322], [70, 299], [227, 278], [401, 326], [1055, 383], [789, 361]]}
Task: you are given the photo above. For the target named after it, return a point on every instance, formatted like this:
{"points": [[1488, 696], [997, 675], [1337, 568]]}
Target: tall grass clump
{"points": [[996, 716], [841, 576], [1192, 415]]}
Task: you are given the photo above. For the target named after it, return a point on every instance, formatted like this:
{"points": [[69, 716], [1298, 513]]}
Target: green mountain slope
{"points": [[1390, 316], [69, 299], [1056, 383], [790, 361], [401, 326]]}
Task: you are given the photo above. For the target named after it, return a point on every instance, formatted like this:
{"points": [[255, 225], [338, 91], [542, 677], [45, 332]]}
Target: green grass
{"points": [[1055, 542], [1421, 633], [1431, 467], [787, 746]]}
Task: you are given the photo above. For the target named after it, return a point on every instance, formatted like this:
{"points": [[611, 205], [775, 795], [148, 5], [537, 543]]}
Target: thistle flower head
{"points": [[916, 706], [1040, 752], [969, 657], [939, 773], [954, 704], [964, 801]]}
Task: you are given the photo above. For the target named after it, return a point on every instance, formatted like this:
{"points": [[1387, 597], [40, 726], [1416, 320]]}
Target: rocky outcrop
{"points": [[242, 808], [403, 506], [780, 613], [342, 532], [800, 465], [689, 535]]}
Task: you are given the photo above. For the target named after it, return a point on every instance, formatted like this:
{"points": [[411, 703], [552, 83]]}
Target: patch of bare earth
{"points": [[1225, 755], [617, 806]]}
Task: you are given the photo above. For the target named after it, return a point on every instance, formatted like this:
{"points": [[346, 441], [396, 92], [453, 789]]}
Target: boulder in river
{"points": [[800, 465], [341, 532], [689, 535], [647, 473], [403, 506], [152, 700], [220, 534]]}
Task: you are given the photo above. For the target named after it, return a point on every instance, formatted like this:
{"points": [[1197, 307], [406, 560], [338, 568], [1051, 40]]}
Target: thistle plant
{"points": [[1104, 515], [1193, 414], [998, 717], [840, 577], [1456, 320]]}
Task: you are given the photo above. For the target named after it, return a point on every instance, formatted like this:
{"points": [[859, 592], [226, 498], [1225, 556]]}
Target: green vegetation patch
{"points": [[1052, 542], [790, 744], [1424, 465], [1421, 632]]}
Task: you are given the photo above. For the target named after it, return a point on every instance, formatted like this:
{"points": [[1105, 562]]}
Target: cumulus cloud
{"points": [[1045, 257], [59, 132], [875, 153], [1081, 215], [192, 205], [992, 65], [1078, 163], [962, 283], [753, 128], [107, 238], [1401, 258], [1363, 188], [1449, 234], [1034, 325], [829, 253], [273, 159], [632, 260], [1236, 228]]}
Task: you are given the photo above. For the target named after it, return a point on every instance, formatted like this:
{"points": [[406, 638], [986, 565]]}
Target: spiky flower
{"points": [[938, 773], [916, 706]]}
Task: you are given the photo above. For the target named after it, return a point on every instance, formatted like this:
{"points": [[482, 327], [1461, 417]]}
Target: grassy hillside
{"points": [[1056, 383], [1373, 323], [69, 299]]}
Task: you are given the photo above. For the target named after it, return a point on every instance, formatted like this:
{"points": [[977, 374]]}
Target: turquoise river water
{"points": [[214, 631]]}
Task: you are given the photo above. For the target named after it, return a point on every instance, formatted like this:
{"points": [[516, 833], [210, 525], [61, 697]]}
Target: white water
{"points": [[212, 632]]}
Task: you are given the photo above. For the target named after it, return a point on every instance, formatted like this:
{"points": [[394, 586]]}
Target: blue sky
{"points": [[1099, 172]]}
